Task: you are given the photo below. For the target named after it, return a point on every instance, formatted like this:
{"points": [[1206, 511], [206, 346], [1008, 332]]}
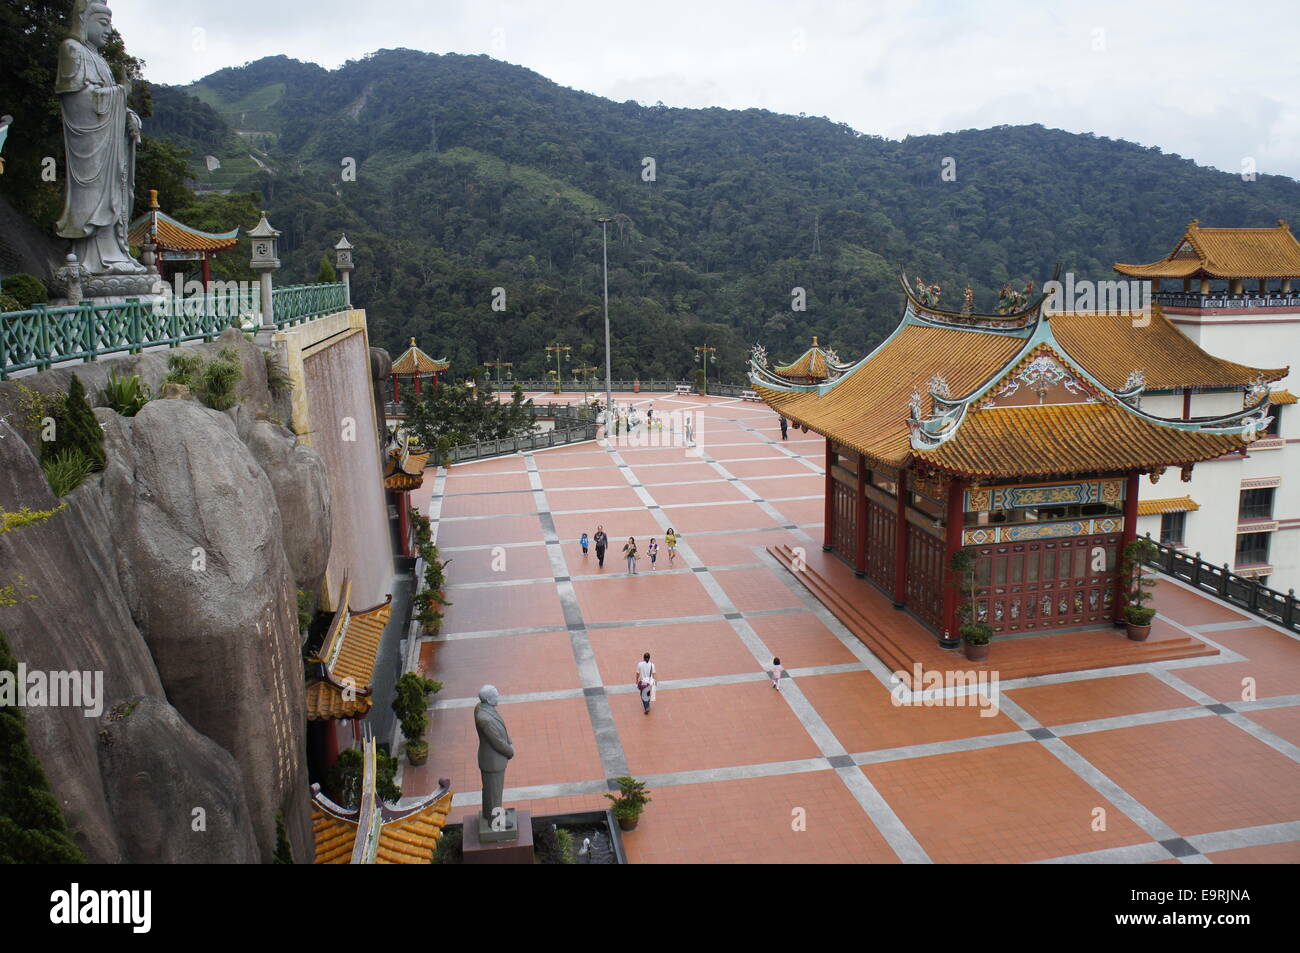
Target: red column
{"points": [[404, 522], [827, 535], [331, 733], [952, 535], [417, 383], [1187, 405], [396, 395], [860, 507], [1129, 534], [207, 274], [900, 543]]}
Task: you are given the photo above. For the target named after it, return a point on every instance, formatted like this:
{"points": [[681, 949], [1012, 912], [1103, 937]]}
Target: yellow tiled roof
{"points": [[1055, 439], [177, 236], [407, 837], [867, 409], [811, 365], [348, 655], [1282, 397], [404, 470], [1170, 504], [414, 361], [1226, 253], [1110, 346]]}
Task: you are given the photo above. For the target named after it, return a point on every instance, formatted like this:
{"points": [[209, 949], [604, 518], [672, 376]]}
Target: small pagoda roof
{"points": [[342, 681], [1271, 252], [376, 832], [1282, 397], [404, 466], [815, 365], [1170, 504], [1019, 394], [158, 228], [413, 361]]}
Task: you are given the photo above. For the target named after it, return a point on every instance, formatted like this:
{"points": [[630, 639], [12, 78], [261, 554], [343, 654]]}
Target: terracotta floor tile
{"points": [[753, 590], [708, 519], [488, 504], [489, 565], [524, 605], [515, 664], [1189, 608], [644, 596], [466, 482], [801, 641], [489, 531], [1190, 773], [584, 500], [1097, 698], [1283, 722], [1288, 853], [1009, 804], [640, 523], [732, 549], [674, 473], [687, 650]]}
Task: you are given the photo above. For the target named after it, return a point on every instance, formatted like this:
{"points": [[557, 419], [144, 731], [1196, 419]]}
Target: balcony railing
{"points": [[1244, 301], [1240, 591], [40, 337]]}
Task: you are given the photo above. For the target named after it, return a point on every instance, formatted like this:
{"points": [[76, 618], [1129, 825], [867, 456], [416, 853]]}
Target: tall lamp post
{"points": [[586, 373], [558, 349], [498, 365], [604, 254], [703, 355]]}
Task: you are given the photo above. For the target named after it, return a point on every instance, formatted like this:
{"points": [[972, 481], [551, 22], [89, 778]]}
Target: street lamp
{"points": [[604, 254], [703, 355], [498, 365], [586, 373], [558, 349]]}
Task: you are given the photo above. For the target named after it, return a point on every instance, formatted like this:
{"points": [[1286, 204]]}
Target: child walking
{"points": [[584, 542], [629, 551], [776, 673], [652, 551]]}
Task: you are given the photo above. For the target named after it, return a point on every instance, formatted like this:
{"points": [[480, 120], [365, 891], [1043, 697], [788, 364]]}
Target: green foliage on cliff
{"points": [[25, 290], [344, 779], [283, 852], [32, 828], [76, 429]]}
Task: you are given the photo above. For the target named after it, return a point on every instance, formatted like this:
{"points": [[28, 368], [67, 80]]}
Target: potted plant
{"points": [[1137, 615], [410, 704], [975, 634], [630, 801]]}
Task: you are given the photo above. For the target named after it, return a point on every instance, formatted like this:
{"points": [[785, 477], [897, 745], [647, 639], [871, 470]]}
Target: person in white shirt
{"points": [[645, 681]]}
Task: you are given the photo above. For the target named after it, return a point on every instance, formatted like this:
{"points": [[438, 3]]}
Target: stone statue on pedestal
{"points": [[100, 135], [494, 753]]}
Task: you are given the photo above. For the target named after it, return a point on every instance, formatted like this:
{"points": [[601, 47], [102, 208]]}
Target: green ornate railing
{"points": [[295, 304], [41, 337]]}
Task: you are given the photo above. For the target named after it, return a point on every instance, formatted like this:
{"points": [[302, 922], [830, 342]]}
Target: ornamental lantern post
{"points": [[265, 260], [343, 264]]}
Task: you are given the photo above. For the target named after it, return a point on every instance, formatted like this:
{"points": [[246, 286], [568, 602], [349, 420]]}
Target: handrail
{"points": [[1240, 591], [41, 336]]}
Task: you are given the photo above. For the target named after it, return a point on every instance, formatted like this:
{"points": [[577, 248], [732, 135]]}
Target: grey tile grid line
{"points": [[609, 745]]}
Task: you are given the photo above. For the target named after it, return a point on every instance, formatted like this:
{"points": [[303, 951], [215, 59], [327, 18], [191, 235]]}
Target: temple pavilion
{"points": [[1232, 255], [376, 832], [814, 366], [340, 679], [404, 472], [175, 241], [415, 364], [1021, 436]]}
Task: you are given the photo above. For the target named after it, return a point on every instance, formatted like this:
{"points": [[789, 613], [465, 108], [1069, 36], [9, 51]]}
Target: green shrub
{"points": [[451, 848], [125, 395], [27, 290], [75, 428], [631, 799], [327, 275], [411, 701], [277, 375], [283, 852], [32, 828], [553, 845], [344, 778], [9, 303], [66, 470], [184, 369], [219, 379]]}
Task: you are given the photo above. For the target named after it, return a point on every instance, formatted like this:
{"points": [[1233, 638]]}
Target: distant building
{"points": [[1237, 300], [814, 366], [1019, 436]]}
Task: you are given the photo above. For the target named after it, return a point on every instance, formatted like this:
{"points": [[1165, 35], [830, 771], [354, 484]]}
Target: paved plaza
{"points": [[1158, 762]]}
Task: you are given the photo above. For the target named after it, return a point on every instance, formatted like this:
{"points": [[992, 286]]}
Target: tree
{"points": [[32, 828], [344, 779], [76, 429], [326, 275]]}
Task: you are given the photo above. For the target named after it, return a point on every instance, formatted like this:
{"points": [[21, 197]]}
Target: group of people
{"points": [[630, 551], [647, 678]]}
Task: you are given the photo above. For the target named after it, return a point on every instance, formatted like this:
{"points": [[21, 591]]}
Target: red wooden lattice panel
{"points": [[845, 520], [925, 577], [880, 545], [1048, 584]]}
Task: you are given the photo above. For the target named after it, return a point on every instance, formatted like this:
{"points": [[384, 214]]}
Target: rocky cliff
{"points": [[174, 572]]}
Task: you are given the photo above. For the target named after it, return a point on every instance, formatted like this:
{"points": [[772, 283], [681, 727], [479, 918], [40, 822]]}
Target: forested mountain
{"points": [[472, 174]]}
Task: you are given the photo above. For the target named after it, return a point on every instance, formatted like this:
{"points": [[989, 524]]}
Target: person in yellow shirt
{"points": [[670, 540]]}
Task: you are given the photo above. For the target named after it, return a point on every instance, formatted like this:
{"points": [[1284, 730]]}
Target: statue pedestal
{"points": [[518, 850]]}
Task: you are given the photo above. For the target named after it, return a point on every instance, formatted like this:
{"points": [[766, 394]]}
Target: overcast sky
{"points": [[1216, 82]]}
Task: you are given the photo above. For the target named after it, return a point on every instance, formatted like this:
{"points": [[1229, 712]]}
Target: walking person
{"points": [[645, 681], [776, 673], [584, 542], [670, 540], [785, 428], [602, 542], [629, 551], [653, 552]]}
